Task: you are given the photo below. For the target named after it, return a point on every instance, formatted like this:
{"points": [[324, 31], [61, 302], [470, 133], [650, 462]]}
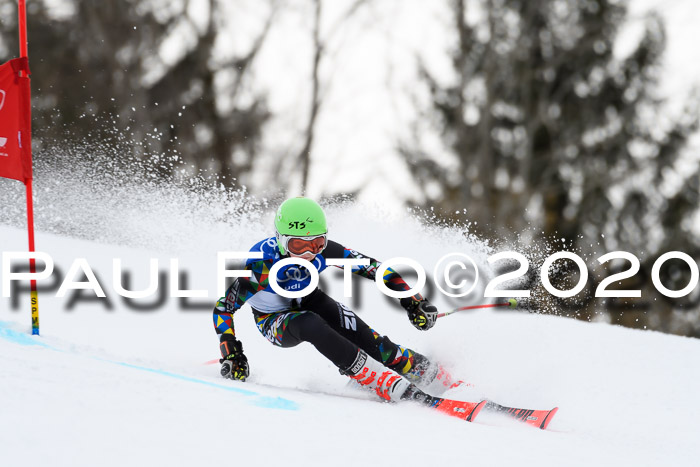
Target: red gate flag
{"points": [[15, 121]]}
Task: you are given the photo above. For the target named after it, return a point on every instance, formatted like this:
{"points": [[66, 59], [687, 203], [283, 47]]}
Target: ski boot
{"points": [[419, 370], [385, 382]]}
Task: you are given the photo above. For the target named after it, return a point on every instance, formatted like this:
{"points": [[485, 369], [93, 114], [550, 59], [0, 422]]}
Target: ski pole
{"points": [[511, 303]]}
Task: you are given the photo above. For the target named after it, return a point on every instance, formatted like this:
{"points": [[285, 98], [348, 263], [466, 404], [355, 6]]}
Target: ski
{"points": [[463, 410], [536, 418]]}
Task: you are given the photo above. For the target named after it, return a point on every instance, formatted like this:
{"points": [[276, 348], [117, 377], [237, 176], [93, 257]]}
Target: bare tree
{"points": [[318, 87], [106, 60]]}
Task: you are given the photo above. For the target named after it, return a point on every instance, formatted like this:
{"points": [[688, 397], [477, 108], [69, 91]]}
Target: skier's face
{"points": [[308, 256], [301, 245], [305, 247]]}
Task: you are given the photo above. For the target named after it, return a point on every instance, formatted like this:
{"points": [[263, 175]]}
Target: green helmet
{"points": [[299, 217]]}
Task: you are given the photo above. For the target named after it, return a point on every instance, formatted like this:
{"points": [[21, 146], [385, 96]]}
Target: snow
{"points": [[115, 385], [109, 383]]}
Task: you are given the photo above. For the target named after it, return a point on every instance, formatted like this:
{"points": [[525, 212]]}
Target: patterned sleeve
{"points": [[240, 292], [392, 279]]}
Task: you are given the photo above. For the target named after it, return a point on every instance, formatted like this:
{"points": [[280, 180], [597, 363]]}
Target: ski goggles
{"points": [[301, 245]]}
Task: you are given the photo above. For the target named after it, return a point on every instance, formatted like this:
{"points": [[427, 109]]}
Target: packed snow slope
{"points": [[114, 382]]}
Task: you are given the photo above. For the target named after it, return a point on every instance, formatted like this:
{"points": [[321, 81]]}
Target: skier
{"points": [[373, 360]]}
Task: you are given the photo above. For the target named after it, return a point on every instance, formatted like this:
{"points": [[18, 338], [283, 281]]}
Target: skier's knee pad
{"points": [[313, 329]]}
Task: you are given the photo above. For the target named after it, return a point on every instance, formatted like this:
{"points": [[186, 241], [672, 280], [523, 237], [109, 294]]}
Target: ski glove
{"points": [[234, 364], [420, 312]]}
